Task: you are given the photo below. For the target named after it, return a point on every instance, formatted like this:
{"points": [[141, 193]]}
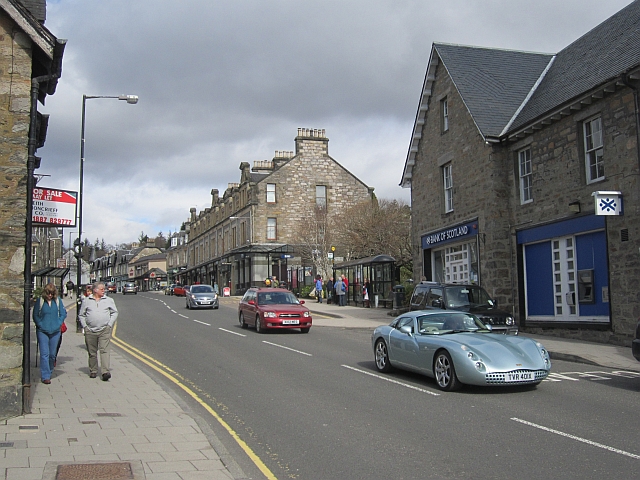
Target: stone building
{"points": [[251, 231], [30, 65], [511, 158]]}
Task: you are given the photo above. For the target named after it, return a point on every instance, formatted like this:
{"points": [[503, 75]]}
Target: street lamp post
{"points": [[131, 99]]}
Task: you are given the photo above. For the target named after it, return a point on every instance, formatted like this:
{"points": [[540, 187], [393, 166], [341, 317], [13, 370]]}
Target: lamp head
{"points": [[132, 99]]}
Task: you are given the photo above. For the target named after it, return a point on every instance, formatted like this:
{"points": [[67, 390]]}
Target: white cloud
{"points": [[230, 81]]}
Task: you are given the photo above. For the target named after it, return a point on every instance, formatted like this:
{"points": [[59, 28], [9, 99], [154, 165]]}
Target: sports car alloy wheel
{"points": [[259, 327], [243, 324], [382, 356], [445, 372]]}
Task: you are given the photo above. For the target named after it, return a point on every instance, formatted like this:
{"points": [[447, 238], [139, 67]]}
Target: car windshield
{"points": [[449, 323], [201, 289], [277, 298], [466, 296]]}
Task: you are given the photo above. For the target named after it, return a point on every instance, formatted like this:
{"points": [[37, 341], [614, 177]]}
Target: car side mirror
{"points": [[301, 302], [251, 302], [408, 329]]}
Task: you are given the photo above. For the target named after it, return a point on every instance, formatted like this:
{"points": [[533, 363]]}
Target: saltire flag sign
{"points": [[608, 203], [54, 207]]}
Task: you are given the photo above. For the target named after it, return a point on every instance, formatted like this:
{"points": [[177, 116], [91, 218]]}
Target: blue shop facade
{"points": [[564, 273]]}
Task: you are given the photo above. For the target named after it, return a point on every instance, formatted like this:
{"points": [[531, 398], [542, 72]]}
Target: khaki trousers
{"points": [[95, 342]]}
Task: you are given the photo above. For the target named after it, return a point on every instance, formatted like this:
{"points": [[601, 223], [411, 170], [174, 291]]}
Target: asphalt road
{"points": [[314, 407]]}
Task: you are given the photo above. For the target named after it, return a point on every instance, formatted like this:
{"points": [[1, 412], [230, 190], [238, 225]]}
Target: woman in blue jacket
{"points": [[48, 315]]}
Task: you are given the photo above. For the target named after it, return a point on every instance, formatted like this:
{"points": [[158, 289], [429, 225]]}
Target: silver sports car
{"points": [[456, 348]]}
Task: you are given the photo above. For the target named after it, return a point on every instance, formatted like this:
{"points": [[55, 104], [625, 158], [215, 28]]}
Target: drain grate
{"points": [[28, 427], [95, 471], [108, 414], [88, 422], [6, 444]]}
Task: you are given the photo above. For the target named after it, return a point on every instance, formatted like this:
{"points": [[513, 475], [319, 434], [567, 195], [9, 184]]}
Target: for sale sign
{"points": [[54, 207]]}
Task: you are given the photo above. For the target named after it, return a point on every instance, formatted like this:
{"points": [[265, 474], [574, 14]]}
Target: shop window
{"points": [[34, 254]]}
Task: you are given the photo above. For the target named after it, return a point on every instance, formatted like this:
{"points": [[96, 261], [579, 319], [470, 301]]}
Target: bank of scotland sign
{"points": [[608, 203]]}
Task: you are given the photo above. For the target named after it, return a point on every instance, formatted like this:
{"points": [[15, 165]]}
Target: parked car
{"points": [[111, 287], [179, 290], [202, 296], [129, 287], [273, 308], [169, 289], [466, 298], [635, 346], [456, 348]]}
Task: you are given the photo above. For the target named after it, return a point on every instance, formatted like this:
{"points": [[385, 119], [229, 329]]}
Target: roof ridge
{"points": [[479, 47], [528, 97]]}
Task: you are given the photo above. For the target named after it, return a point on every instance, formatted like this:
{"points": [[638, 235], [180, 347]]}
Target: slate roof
{"points": [[493, 83], [604, 53]]}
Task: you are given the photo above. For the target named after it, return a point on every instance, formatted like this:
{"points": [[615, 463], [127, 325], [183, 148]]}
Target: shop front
{"points": [[566, 273], [450, 255]]}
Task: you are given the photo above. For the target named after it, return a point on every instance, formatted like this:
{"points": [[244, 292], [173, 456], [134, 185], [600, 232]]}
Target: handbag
{"points": [[63, 327], [312, 293]]}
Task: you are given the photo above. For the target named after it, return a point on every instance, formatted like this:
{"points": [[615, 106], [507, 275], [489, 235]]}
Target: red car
{"points": [[111, 287], [179, 290], [273, 308]]}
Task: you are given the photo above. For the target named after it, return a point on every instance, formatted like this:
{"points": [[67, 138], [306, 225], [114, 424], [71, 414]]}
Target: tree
{"points": [[383, 227], [316, 234], [142, 239]]}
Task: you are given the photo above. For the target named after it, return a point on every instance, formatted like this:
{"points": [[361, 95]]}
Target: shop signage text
{"points": [[449, 235]]}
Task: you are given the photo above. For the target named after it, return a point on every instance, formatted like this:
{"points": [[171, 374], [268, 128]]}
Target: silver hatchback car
{"points": [[129, 287], [201, 296]]}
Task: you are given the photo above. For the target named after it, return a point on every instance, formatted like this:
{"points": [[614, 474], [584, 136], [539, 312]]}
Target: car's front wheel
{"points": [[382, 356], [445, 372], [305, 330], [259, 327], [243, 324]]}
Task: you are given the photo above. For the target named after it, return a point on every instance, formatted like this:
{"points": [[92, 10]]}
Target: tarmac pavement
{"points": [[131, 428]]}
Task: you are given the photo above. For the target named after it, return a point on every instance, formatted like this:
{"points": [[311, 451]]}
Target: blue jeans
{"points": [[48, 344]]}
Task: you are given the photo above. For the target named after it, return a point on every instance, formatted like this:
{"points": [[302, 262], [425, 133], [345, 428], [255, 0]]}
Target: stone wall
{"points": [[15, 84], [559, 179], [479, 187], [486, 187]]}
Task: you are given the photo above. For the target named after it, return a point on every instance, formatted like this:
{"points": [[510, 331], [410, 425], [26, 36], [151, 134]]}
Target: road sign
{"points": [[286, 255]]}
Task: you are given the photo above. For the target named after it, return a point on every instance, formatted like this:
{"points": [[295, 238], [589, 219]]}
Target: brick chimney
{"points": [[311, 142]]}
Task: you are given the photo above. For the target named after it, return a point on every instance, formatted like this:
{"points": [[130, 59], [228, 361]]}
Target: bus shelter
{"points": [[380, 270]]}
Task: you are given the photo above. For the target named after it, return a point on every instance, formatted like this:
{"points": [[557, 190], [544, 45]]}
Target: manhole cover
{"points": [[95, 471]]}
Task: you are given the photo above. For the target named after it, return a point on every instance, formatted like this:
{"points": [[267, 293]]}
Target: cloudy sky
{"points": [[226, 81]]}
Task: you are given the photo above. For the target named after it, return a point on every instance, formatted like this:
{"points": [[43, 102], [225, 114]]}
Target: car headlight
{"points": [[510, 321], [269, 314], [306, 314]]}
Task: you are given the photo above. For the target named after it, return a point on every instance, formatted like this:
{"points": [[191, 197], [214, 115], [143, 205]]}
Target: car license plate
{"points": [[205, 303], [519, 377], [290, 322]]}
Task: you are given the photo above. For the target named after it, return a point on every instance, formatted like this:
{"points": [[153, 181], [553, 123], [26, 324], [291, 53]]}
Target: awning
{"points": [[50, 272]]}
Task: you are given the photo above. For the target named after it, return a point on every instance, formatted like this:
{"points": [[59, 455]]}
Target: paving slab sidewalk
{"points": [[89, 427]]}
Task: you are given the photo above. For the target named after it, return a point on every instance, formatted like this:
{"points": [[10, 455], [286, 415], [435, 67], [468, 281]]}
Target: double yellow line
{"points": [[171, 375]]}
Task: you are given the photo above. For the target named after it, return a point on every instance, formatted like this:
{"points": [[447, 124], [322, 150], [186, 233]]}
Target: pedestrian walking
{"points": [[340, 291], [97, 315], [274, 282], [319, 288], [48, 315]]}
